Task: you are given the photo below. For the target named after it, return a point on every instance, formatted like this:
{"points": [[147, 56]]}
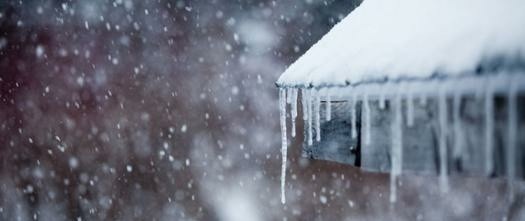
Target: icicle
{"points": [[381, 100], [366, 110], [289, 95], [317, 115], [304, 93], [328, 108], [443, 129], [458, 133], [410, 109], [489, 130], [309, 108], [393, 187], [382, 95], [397, 146], [294, 110], [353, 102], [512, 129], [284, 142], [423, 99]]}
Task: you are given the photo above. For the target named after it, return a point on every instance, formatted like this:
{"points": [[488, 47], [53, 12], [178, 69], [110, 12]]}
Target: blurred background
{"points": [[167, 110]]}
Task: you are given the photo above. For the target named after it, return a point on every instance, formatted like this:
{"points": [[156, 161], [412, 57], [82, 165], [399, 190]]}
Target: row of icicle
{"points": [[311, 105]]}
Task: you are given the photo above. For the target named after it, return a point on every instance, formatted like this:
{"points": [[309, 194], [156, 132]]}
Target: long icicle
{"points": [[410, 109], [512, 129], [393, 186], [284, 142], [310, 117], [317, 107], [458, 132], [289, 95], [399, 139], [304, 99], [328, 108], [382, 99], [294, 110], [489, 130], [366, 110], [443, 128], [423, 99], [397, 148], [353, 117]]}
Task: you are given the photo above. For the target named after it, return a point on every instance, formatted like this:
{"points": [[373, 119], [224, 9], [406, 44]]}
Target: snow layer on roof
{"points": [[385, 39]]}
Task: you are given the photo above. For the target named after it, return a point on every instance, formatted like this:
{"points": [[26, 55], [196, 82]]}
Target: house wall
{"points": [[336, 142], [465, 150]]}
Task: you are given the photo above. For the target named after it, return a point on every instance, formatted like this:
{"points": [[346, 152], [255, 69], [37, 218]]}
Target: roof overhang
{"points": [[384, 41]]}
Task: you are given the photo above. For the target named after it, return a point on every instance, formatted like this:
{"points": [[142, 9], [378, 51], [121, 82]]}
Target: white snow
{"points": [[259, 35], [3, 41], [411, 39], [236, 205], [129, 168], [39, 51], [73, 162], [323, 199]]}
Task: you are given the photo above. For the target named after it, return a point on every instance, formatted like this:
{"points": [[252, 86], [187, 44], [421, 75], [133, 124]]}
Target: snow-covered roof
{"points": [[385, 39]]}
